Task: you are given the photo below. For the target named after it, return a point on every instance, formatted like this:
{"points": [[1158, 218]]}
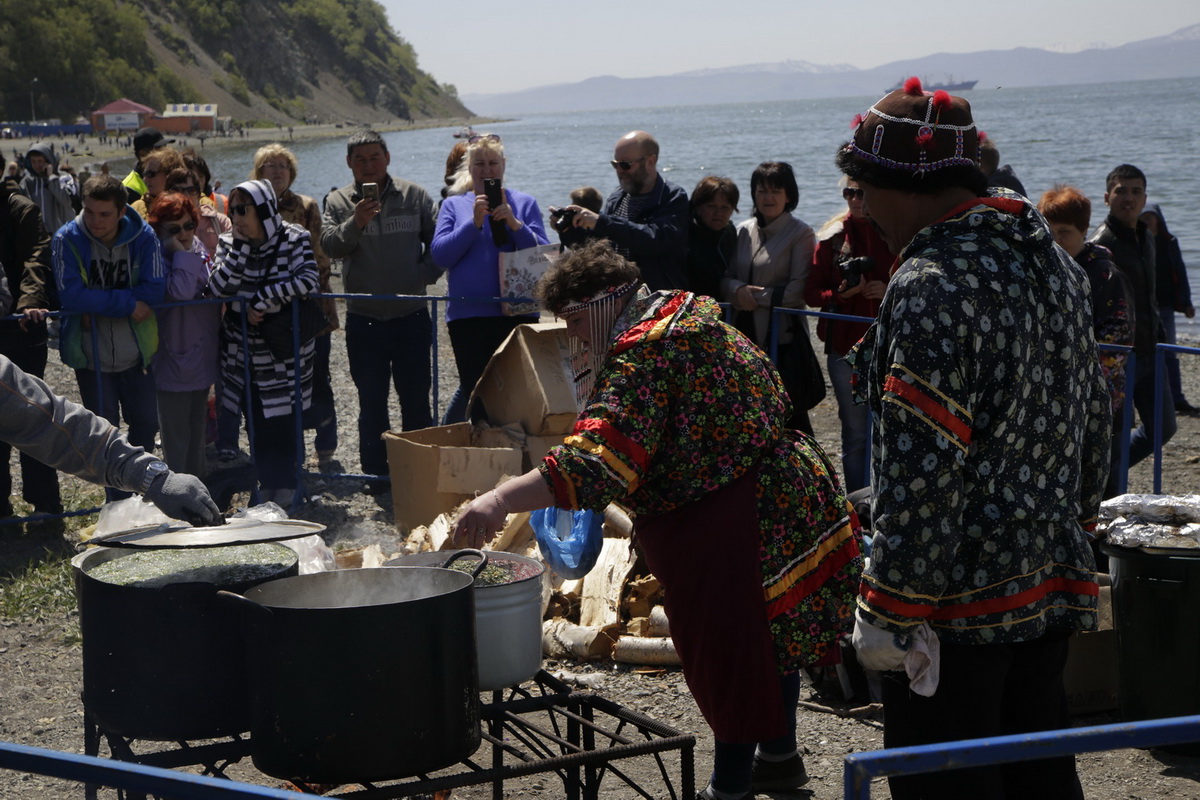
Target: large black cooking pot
{"points": [[362, 675], [164, 663]]}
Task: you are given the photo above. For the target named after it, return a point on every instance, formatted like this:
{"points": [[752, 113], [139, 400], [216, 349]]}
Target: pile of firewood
{"points": [[614, 612]]}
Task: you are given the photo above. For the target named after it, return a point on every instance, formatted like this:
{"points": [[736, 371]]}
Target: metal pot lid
{"points": [[180, 535]]}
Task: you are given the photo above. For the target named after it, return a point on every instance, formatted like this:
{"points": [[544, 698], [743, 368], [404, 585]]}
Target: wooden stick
{"points": [[860, 711]]}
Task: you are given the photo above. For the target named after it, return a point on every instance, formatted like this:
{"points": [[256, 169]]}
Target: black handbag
{"points": [[276, 328], [801, 370]]}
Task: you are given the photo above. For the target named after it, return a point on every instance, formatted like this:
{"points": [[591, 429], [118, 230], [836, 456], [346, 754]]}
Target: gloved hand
{"points": [[184, 497], [876, 648]]}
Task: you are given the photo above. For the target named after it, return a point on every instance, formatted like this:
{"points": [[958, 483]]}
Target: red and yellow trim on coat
{"points": [[837, 548], [906, 609], [930, 406], [624, 458]]}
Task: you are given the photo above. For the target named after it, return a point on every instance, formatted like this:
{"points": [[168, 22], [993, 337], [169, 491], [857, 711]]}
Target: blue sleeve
{"points": [[455, 232], [151, 287], [73, 291], [533, 230]]}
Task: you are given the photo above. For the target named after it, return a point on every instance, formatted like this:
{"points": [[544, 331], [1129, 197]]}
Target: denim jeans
{"points": [[1141, 441], [323, 410], [383, 353], [131, 395], [854, 425], [1170, 359]]}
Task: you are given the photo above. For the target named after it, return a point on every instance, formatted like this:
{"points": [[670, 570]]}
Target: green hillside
{"points": [[281, 60]]}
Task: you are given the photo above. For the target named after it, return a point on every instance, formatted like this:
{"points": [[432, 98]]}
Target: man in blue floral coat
{"points": [[990, 454]]}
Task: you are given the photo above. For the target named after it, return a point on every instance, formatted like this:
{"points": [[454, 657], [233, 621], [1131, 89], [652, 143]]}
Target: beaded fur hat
{"points": [[916, 131]]}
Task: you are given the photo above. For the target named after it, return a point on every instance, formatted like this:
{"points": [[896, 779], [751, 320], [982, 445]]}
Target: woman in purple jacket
{"points": [[185, 364], [467, 244]]}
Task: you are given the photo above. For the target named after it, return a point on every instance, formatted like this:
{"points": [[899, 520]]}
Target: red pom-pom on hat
{"points": [[982, 136], [858, 119], [913, 87], [942, 100]]}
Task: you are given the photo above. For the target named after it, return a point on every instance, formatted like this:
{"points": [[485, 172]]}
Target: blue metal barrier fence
{"points": [[130, 777], [860, 768]]}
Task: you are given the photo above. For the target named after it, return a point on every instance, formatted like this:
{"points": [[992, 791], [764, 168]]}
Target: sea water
{"points": [[1049, 135]]}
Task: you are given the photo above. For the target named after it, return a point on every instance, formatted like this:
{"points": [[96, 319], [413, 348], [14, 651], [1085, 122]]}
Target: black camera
{"points": [[560, 218], [853, 269]]}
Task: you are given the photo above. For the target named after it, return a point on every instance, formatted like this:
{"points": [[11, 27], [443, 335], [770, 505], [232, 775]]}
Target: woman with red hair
{"points": [[185, 364]]}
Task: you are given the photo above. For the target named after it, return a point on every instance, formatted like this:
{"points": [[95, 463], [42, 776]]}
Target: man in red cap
{"points": [[990, 452]]}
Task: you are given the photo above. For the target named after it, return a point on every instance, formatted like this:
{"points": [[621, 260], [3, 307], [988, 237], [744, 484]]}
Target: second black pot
{"points": [[362, 675]]}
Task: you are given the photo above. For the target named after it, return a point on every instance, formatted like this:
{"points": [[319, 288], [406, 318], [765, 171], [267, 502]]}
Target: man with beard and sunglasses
{"points": [[645, 219]]}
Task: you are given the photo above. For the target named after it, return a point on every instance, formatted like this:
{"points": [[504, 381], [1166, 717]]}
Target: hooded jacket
{"points": [[267, 277], [51, 194], [992, 428], [105, 283]]}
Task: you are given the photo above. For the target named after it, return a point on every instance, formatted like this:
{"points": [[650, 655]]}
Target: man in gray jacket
{"points": [[50, 190], [382, 227]]}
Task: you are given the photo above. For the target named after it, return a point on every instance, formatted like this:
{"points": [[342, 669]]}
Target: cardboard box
{"points": [[528, 381], [435, 469], [536, 448], [1090, 675]]}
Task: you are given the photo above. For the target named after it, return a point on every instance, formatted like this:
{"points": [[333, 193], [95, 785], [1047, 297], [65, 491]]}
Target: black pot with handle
{"points": [[363, 674], [165, 663]]}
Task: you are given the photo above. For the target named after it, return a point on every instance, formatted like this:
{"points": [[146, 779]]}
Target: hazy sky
{"points": [[507, 46]]}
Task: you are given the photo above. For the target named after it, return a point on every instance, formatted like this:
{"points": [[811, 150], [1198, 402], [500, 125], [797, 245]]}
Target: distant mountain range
{"points": [[1176, 55]]}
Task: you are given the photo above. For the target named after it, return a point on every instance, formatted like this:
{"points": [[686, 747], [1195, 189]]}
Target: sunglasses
{"points": [[175, 230], [241, 209], [626, 165], [187, 189], [483, 137], [849, 194]]}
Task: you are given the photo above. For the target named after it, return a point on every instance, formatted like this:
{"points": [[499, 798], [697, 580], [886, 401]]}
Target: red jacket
{"points": [[856, 237]]}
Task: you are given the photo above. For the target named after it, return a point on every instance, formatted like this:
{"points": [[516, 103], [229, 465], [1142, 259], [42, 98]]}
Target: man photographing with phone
{"points": [[382, 227]]}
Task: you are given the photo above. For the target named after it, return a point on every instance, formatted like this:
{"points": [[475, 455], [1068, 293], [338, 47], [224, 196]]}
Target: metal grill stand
{"points": [[539, 727]]}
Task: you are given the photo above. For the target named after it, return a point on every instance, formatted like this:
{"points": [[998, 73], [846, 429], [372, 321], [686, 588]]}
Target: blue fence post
{"points": [[1159, 418], [297, 406]]}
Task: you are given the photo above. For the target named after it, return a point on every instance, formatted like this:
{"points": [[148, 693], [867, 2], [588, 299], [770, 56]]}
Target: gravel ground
{"points": [[40, 661]]}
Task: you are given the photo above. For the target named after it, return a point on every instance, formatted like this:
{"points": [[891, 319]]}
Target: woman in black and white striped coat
{"points": [[268, 262]]}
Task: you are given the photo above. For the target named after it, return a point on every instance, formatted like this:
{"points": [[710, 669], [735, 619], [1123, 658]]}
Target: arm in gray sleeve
{"points": [[65, 435]]}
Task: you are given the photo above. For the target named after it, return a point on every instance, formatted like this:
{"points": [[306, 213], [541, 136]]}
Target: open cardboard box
{"points": [[435, 469], [528, 381], [1090, 675]]}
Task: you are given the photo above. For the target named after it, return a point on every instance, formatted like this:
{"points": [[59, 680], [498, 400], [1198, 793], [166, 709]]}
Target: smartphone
{"points": [[370, 191], [493, 192]]}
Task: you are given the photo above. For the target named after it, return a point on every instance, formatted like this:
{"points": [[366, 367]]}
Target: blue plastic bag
{"points": [[570, 541]]}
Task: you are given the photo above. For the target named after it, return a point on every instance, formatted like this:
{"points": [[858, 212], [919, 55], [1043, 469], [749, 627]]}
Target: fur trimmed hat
{"points": [[916, 131]]}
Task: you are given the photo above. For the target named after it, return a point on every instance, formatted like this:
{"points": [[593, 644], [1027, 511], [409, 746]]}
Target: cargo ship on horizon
{"points": [[948, 86]]}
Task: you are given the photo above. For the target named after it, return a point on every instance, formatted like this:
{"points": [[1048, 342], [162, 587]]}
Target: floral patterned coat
{"points": [[684, 405]]}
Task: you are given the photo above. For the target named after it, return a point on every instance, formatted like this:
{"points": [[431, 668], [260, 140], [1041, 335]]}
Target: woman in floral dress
{"points": [[741, 519]]}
